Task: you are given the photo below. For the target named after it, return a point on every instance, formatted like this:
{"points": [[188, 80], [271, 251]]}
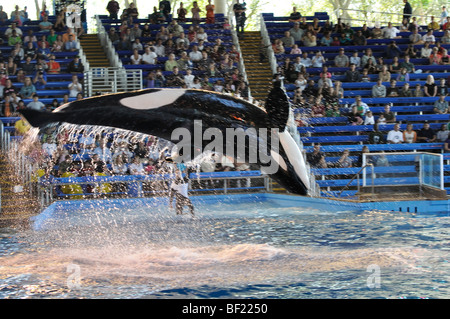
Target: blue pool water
{"points": [[235, 248]]}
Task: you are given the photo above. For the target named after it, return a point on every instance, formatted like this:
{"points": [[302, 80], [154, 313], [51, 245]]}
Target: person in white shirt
{"points": [[49, 147], [195, 54], [429, 37], [149, 56], [395, 136], [369, 119], [189, 78], [136, 167], [36, 104], [390, 32], [75, 87], [179, 189]]}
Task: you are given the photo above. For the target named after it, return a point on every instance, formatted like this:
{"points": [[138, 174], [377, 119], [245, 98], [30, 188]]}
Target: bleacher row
{"points": [[56, 86], [336, 134]]}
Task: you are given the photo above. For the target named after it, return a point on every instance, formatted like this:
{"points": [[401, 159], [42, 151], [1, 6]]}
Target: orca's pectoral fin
{"points": [[39, 118], [277, 107]]}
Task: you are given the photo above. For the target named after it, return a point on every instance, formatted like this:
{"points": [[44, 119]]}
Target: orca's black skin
{"points": [[215, 110]]}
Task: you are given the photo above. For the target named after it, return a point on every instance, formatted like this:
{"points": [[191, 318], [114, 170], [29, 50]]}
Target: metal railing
{"points": [[373, 17], [235, 38], [135, 186], [112, 80], [107, 45]]}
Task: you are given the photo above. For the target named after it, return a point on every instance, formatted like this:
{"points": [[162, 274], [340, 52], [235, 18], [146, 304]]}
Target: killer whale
{"points": [[159, 112]]}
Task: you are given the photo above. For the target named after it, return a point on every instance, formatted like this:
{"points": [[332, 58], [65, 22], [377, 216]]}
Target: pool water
{"points": [[230, 250]]}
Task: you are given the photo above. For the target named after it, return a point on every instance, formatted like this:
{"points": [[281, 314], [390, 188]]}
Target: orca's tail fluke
{"points": [[277, 107], [39, 118]]}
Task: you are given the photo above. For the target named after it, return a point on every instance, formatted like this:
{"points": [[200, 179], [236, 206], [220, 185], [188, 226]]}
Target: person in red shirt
{"points": [[53, 66]]}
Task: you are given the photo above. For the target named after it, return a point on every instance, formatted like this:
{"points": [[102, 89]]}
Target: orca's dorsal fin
{"points": [[277, 108]]}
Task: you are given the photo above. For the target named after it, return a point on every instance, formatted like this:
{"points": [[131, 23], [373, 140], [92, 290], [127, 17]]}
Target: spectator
{"points": [[12, 28], [392, 50], [113, 8], [429, 37], [379, 90], [388, 115], [405, 91], [341, 60], [288, 40], [318, 60], [66, 36], [326, 39], [415, 38], [296, 32], [395, 136], [418, 91], [40, 79], [355, 117], [36, 104], [395, 65], [295, 16], [149, 56], [71, 45], [352, 75], [368, 56], [74, 87], [14, 39], [369, 119], [426, 134], [407, 10], [435, 57], [433, 25], [175, 79], [309, 39], [316, 158], [136, 58], [195, 13], [392, 90], [375, 136], [442, 88], [53, 66], [446, 25], [345, 161], [45, 25], [442, 134], [181, 12], [441, 105], [409, 136], [384, 75], [407, 65], [75, 66], [425, 51], [170, 63], [58, 45], [359, 38], [3, 15], [355, 59], [361, 106], [113, 36], [391, 32], [28, 89], [430, 88]]}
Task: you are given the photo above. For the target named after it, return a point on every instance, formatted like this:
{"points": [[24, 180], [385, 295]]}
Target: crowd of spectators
{"points": [[33, 56], [319, 95], [182, 54]]}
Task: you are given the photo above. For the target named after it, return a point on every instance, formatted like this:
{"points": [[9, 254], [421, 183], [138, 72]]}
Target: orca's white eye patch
{"points": [[152, 100]]}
